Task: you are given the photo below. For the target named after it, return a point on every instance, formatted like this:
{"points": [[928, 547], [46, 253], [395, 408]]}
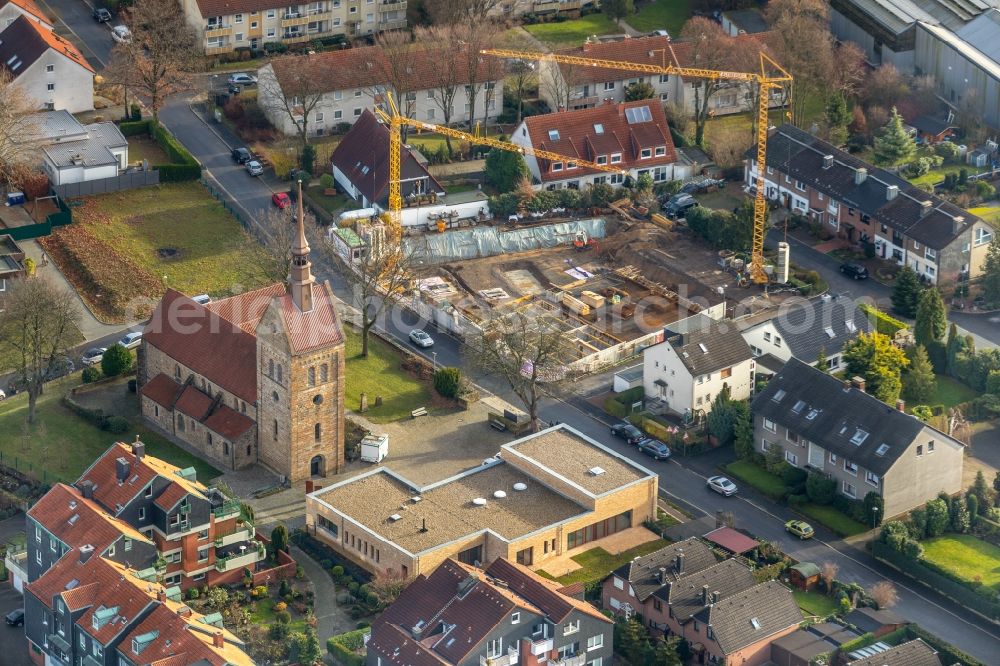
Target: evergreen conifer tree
{"points": [[894, 146], [906, 292]]}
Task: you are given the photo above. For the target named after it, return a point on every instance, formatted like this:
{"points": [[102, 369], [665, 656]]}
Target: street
{"points": [[74, 21]]}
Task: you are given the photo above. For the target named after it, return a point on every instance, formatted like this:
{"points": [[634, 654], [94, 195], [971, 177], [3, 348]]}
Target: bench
{"points": [[419, 411], [498, 425]]}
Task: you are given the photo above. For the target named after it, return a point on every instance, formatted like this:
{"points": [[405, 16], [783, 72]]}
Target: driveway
{"points": [[13, 644]]}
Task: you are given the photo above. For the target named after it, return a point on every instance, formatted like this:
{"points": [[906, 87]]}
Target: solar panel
{"points": [[638, 114]]}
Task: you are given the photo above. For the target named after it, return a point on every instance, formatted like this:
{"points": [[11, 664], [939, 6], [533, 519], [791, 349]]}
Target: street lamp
{"points": [[874, 517], [434, 360]]}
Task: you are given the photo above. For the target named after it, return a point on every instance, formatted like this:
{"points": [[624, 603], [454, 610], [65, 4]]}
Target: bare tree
{"points": [[522, 78], [159, 57], [447, 74], [395, 66], [711, 48], [804, 46], [18, 133], [523, 350], [883, 594], [292, 88], [727, 145], [460, 11], [37, 326], [387, 586], [558, 81], [828, 572], [270, 244], [478, 71], [885, 87]]}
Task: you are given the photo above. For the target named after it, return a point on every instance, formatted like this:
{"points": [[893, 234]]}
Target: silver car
{"points": [[420, 338], [131, 340], [722, 485], [93, 356], [255, 168]]}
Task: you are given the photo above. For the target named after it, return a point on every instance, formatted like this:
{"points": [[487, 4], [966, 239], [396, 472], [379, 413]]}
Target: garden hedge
{"points": [[185, 166], [884, 324], [342, 647]]}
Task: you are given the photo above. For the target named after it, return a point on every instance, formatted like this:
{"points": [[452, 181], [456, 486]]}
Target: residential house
{"points": [[361, 168], [803, 328], [11, 265], [738, 22], [47, 67], [543, 496], [864, 204], [717, 607], [464, 616], [633, 136], [91, 610], [10, 10], [688, 369], [350, 81], [70, 152], [548, 9], [224, 26], [838, 430], [912, 653]]}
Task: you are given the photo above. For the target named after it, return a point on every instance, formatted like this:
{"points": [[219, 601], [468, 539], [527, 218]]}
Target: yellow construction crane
{"points": [[765, 81]]}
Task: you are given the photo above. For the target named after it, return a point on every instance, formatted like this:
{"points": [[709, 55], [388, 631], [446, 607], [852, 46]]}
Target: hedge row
{"points": [[137, 128], [620, 404], [113, 424], [949, 653], [343, 647], [185, 166], [884, 324]]}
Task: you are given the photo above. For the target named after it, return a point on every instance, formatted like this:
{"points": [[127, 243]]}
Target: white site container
{"points": [[374, 448]]}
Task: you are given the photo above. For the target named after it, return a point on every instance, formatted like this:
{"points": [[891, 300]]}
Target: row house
{"points": [[575, 86], [501, 615], [338, 86], [838, 430], [632, 136], [716, 606], [93, 611], [224, 26], [864, 204]]}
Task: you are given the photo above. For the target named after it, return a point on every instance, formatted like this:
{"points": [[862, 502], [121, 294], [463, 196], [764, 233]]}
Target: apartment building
{"points": [[716, 606], [634, 136], [46, 67], [864, 204], [226, 25], [543, 496], [465, 616], [351, 81], [838, 430]]}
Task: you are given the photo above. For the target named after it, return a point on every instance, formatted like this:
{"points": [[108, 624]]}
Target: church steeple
{"points": [[300, 278]]}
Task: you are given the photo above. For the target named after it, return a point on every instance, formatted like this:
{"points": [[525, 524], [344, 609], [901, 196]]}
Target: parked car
{"points": [[655, 448], [121, 34], [15, 618], [659, 33], [420, 338], [60, 368], [678, 205], [628, 432], [241, 79], [856, 271], [202, 299], [131, 340], [722, 485], [3, 396], [241, 155], [799, 528], [254, 168], [93, 356], [234, 89], [281, 200], [101, 15]]}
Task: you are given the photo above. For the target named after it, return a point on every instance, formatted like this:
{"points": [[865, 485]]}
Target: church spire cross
{"points": [[300, 278]]}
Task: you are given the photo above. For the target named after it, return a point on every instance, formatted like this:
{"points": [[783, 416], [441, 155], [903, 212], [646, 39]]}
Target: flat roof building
{"points": [[543, 495]]}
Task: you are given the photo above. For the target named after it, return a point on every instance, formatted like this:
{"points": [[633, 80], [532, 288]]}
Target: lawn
{"points": [[761, 479], [145, 148], [460, 187], [332, 205], [816, 603], [573, 33], [61, 445], [380, 375], [991, 214], [669, 15], [950, 392], [596, 563], [838, 522], [429, 143], [966, 557], [935, 176], [124, 249], [263, 614]]}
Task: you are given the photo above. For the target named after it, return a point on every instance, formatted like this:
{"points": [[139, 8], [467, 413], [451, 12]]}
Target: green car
{"points": [[801, 529]]}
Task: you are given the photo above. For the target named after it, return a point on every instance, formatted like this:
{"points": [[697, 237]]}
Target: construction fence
{"points": [[126, 181]]}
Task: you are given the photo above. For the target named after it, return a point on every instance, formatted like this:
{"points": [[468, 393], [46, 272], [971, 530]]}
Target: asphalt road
{"points": [[76, 24]]}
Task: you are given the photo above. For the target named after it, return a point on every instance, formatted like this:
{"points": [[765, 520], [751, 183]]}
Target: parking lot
{"points": [[13, 646]]}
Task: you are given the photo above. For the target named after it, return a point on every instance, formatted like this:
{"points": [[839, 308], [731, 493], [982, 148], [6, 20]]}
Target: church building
{"points": [[254, 378]]}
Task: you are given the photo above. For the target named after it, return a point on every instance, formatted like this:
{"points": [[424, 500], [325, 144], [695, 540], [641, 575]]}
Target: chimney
{"points": [[680, 562], [218, 639], [85, 552], [705, 598], [901, 404], [621, 110], [423, 525], [858, 383], [715, 597], [957, 222], [827, 161], [87, 488], [891, 192], [860, 175], [138, 449], [122, 467], [161, 595], [925, 207], [663, 574]]}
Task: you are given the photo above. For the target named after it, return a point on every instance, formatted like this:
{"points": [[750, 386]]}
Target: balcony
{"points": [[228, 509], [541, 647], [237, 534], [296, 37], [16, 561], [290, 20], [391, 5], [237, 557], [555, 6], [508, 659], [397, 24], [215, 30], [578, 660]]}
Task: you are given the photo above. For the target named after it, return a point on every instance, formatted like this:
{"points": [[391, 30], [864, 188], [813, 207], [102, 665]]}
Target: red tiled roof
{"points": [[578, 137], [641, 50], [320, 327], [76, 521], [246, 309], [367, 67], [81, 597], [170, 496], [541, 592], [107, 491], [226, 7], [173, 639], [194, 403], [684, 54], [162, 390], [29, 6], [205, 342], [733, 541], [228, 422]]}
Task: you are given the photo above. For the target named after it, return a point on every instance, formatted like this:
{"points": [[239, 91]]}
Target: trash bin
{"points": [[15, 198]]}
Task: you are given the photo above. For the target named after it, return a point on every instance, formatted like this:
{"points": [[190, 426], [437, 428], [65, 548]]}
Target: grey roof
{"points": [[913, 653], [686, 594], [748, 20], [973, 42], [20, 46], [95, 150], [839, 414], [751, 615], [769, 363], [934, 123], [869, 619], [806, 325], [706, 348], [899, 15], [630, 374], [799, 154], [814, 640], [643, 572], [53, 126]]}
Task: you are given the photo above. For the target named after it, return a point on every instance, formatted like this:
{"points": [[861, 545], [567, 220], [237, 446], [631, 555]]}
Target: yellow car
{"points": [[801, 529]]}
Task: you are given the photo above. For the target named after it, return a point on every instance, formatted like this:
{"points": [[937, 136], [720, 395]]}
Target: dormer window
{"points": [[602, 159], [553, 135], [646, 153], [557, 166], [616, 158], [661, 151], [570, 165]]}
